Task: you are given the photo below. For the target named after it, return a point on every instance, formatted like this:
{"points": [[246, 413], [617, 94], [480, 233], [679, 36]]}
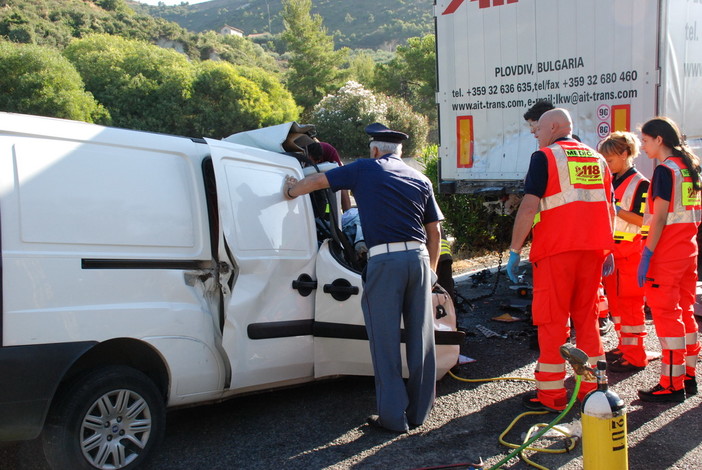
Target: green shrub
{"points": [[475, 229], [399, 116], [341, 119], [38, 80], [228, 99], [144, 86]]}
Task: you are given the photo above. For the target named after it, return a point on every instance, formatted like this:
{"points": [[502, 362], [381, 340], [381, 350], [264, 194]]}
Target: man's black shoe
{"points": [[374, 422], [605, 325], [622, 365], [662, 394], [532, 403], [613, 355], [690, 386]]}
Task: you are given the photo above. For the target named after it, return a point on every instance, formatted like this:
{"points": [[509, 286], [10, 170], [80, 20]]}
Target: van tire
{"points": [[98, 409]]}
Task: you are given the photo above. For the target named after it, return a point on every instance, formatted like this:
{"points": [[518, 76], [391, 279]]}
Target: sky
{"points": [[170, 2]]}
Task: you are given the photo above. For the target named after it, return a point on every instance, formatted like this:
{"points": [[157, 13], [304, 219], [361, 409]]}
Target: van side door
{"points": [[271, 244]]}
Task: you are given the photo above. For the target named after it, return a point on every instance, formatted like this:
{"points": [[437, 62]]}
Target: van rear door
{"points": [[271, 243]]}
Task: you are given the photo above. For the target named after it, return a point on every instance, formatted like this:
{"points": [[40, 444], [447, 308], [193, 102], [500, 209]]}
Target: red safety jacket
{"points": [[679, 237], [575, 212], [628, 236]]}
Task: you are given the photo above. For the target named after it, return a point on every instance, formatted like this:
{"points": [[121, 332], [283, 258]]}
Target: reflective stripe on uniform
{"points": [[554, 368], [625, 236], [633, 328], [685, 208], [445, 247], [573, 195], [567, 172], [630, 340], [691, 338], [672, 343], [624, 230], [676, 370], [691, 361], [550, 384]]}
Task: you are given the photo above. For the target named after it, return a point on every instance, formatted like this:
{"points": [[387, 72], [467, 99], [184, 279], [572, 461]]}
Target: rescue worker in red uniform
{"points": [[625, 297], [569, 185], [668, 267]]}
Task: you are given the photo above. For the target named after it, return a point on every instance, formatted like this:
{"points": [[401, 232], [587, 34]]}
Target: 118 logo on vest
{"points": [[690, 197], [584, 173]]}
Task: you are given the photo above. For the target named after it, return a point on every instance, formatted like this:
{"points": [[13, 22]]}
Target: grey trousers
{"points": [[398, 286]]}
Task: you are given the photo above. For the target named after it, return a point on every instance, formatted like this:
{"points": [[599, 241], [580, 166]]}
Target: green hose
{"points": [[558, 418]]}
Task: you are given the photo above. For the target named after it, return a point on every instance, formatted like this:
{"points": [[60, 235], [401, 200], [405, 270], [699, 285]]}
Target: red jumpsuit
{"points": [[672, 276], [626, 298], [571, 236]]}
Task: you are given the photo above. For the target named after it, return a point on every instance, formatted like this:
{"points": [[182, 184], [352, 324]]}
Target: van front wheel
{"points": [[108, 419]]}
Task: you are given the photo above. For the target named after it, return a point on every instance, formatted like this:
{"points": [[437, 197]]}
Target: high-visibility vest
{"points": [[625, 194], [679, 237], [445, 252], [575, 210]]}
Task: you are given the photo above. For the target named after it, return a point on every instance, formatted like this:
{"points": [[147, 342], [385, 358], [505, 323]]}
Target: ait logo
{"points": [[453, 6]]}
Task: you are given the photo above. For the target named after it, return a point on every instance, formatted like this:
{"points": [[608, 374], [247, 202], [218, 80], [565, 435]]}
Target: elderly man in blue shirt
{"points": [[400, 220]]}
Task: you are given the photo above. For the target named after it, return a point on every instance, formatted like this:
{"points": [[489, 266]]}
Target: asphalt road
{"points": [[322, 425]]}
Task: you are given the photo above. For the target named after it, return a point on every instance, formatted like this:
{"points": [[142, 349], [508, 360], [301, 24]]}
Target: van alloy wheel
{"points": [[115, 429], [110, 418]]}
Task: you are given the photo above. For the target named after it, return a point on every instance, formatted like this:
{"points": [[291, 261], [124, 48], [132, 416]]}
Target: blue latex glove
{"points": [[512, 264], [608, 266], [617, 208], [643, 266]]}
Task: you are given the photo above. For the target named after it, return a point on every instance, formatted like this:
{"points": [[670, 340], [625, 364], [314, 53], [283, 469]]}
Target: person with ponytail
{"points": [[625, 297], [668, 267]]}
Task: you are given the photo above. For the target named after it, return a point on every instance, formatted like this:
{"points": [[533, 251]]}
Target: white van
{"points": [[142, 271]]}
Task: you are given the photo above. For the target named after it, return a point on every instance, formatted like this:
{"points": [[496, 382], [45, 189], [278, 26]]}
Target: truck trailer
{"points": [[612, 64]]}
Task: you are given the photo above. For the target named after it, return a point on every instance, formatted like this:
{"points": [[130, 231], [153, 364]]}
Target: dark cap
{"points": [[379, 132]]}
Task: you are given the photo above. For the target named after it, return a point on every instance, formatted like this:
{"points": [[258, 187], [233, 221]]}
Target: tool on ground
{"points": [[578, 361]]}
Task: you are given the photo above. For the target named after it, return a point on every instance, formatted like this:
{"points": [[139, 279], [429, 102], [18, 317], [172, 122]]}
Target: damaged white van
{"points": [[142, 271]]}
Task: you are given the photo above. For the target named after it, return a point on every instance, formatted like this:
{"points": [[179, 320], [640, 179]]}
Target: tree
{"points": [[282, 104], [225, 101], [399, 115], [341, 119], [411, 75], [362, 68], [314, 64], [144, 86], [38, 80]]}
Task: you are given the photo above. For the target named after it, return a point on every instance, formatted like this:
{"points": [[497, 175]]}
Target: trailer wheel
{"points": [[108, 419]]}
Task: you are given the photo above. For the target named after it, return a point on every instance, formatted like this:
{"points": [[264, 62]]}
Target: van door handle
{"points": [[340, 289], [304, 284]]}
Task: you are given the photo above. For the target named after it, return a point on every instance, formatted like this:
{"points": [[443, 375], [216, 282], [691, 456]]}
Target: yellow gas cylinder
{"points": [[604, 427]]}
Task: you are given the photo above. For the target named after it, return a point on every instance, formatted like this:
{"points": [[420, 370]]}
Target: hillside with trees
{"points": [[365, 25]]}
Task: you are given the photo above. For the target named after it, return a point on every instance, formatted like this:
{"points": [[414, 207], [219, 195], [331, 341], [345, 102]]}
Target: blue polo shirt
{"points": [[394, 201], [537, 174], [661, 184]]}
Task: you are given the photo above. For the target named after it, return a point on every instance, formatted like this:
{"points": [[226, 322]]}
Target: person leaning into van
{"points": [[625, 297], [567, 201], [400, 220], [321, 152], [668, 267]]}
